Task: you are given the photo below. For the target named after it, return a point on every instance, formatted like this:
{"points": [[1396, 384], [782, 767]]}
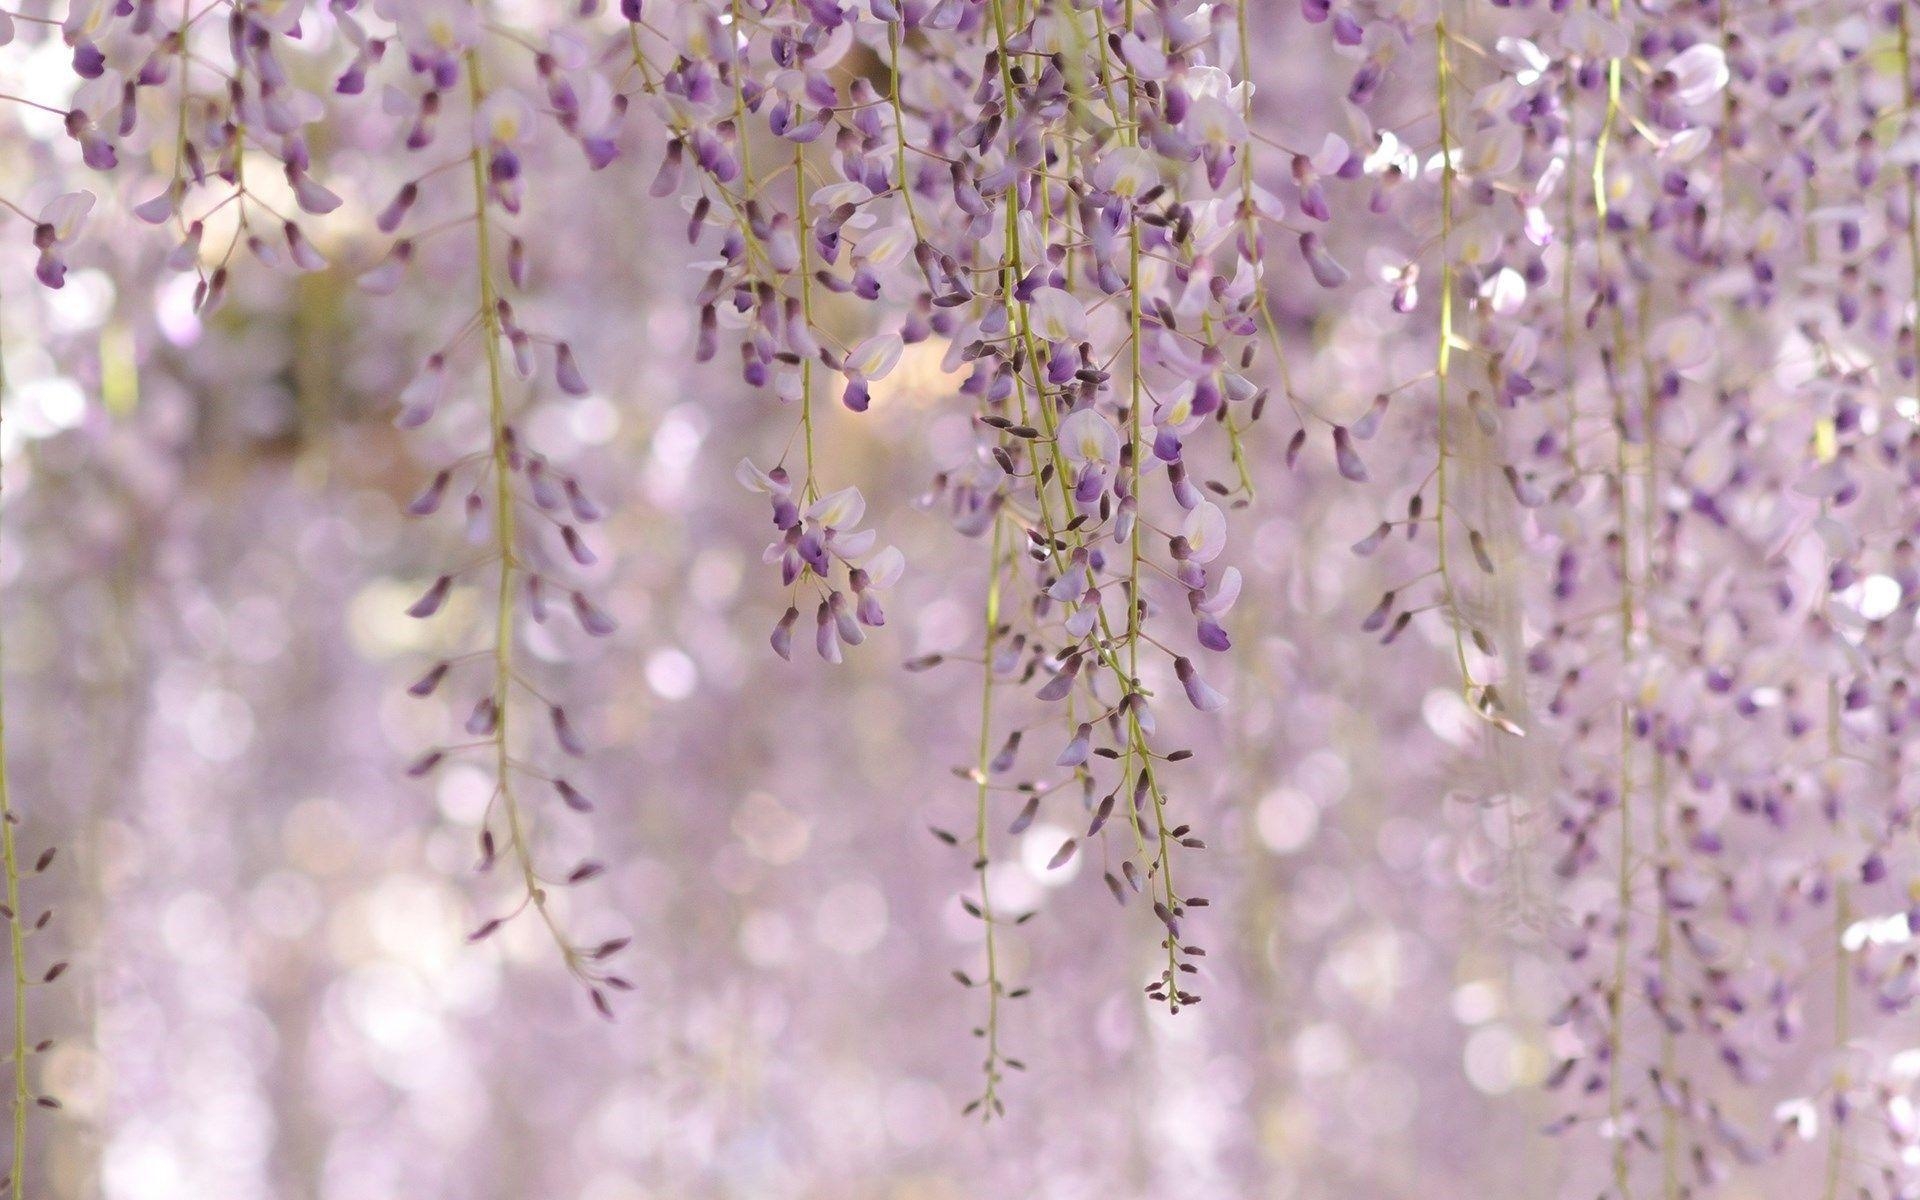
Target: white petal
{"points": [[1332, 155], [1086, 436], [853, 546], [885, 568], [1224, 596], [839, 510], [67, 213], [1206, 532], [1699, 72], [1126, 171], [1058, 316], [754, 479], [875, 357], [1505, 292]]}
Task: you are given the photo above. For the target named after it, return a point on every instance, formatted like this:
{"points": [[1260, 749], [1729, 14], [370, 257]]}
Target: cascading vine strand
{"points": [[23, 1096], [16, 1179], [447, 49]]}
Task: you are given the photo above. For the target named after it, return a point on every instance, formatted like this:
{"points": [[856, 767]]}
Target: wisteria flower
{"points": [[872, 360], [59, 223]]}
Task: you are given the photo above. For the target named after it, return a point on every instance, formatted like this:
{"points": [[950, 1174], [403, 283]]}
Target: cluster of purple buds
{"points": [[812, 541]]}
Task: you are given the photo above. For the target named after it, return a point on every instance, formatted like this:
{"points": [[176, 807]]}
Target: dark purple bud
{"points": [[428, 501], [782, 638], [1009, 753], [563, 732], [845, 626], [1326, 272], [584, 509], [592, 619], [396, 210], [426, 684], [571, 797], [1062, 683], [1024, 818], [430, 601], [1377, 619], [1077, 750], [1199, 694], [310, 195], [1370, 543], [577, 546], [825, 641], [566, 372], [1369, 424], [88, 61], [1346, 457], [50, 269]]}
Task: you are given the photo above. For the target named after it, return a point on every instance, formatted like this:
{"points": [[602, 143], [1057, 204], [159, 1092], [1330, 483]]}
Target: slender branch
{"points": [[16, 940], [503, 532]]}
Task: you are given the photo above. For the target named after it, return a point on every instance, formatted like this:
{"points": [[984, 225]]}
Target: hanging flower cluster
{"points": [[1079, 242], [467, 106], [1668, 455]]}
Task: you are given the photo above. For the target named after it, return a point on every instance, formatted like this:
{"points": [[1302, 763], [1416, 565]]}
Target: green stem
{"points": [[900, 130], [503, 532], [1629, 605], [1443, 357], [17, 948], [989, 1100], [1908, 172], [1606, 131], [811, 489], [1657, 773], [1836, 1131], [1842, 971]]}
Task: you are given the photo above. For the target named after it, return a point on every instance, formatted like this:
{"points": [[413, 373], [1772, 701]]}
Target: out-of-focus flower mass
{"points": [[959, 599]]}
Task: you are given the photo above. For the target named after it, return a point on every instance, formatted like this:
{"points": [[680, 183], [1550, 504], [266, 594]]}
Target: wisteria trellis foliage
{"points": [[1589, 328]]}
